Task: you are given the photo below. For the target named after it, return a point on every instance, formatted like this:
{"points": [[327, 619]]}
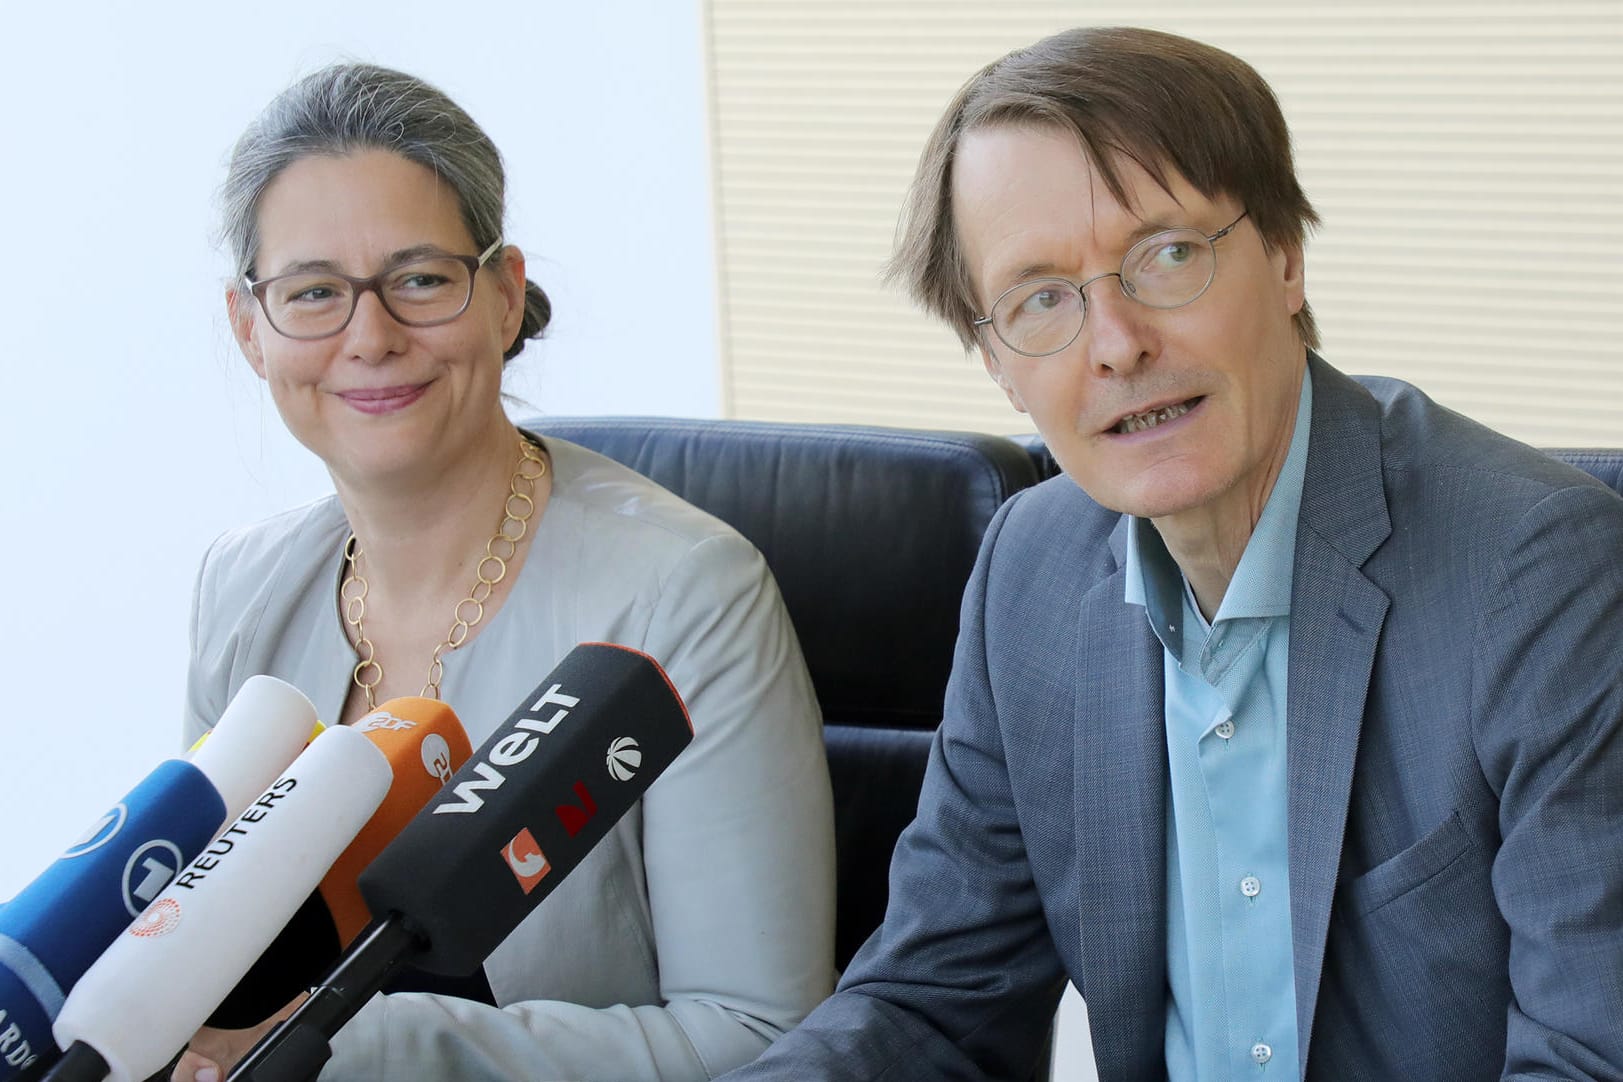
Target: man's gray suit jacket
{"points": [[1455, 794]]}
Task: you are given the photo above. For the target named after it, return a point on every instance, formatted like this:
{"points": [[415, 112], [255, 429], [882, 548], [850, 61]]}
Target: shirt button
{"points": [[1261, 1053], [1225, 729], [1251, 886]]}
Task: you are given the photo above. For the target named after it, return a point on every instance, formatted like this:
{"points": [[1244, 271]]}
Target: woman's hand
{"points": [[213, 1052]]}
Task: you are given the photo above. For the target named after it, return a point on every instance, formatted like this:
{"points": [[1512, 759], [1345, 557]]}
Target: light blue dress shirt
{"points": [[1232, 1010]]}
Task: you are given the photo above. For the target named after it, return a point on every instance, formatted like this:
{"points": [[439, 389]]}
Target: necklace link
{"points": [[517, 510]]}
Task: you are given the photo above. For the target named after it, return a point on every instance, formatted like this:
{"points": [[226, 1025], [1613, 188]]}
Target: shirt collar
{"points": [[1262, 582]]}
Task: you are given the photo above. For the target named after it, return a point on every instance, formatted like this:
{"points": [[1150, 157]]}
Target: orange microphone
{"points": [[425, 744]]}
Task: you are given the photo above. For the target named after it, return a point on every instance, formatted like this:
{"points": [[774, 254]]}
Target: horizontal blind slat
{"points": [[1467, 162]]}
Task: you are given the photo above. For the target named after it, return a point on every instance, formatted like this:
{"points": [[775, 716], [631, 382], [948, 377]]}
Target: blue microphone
{"points": [[59, 924], [63, 920]]}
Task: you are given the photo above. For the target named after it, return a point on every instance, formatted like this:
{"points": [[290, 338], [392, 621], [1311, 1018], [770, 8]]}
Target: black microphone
{"points": [[425, 744], [524, 812]]}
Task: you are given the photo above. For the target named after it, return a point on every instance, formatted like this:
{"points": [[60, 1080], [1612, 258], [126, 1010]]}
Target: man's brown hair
{"points": [[1159, 100]]}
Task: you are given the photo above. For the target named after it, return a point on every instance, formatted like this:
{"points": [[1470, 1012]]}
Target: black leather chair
{"points": [[871, 533], [1605, 463]]}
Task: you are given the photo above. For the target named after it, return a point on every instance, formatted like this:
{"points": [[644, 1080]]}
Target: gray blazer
{"points": [[1455, 750], [703, 925]]}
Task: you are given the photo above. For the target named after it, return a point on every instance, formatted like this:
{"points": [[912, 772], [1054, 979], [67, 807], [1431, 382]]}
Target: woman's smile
{"points": [[378, 400]]}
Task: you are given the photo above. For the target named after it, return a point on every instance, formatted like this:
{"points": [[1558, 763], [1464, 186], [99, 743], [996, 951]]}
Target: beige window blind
{"points": [[1467, 159]]}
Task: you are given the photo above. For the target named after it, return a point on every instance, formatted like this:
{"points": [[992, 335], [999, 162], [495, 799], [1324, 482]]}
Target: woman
{"points": [[462, 558]]}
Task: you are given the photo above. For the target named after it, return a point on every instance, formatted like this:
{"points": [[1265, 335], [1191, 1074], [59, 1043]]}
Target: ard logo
{"points": [[150, 869], [105, 830]]}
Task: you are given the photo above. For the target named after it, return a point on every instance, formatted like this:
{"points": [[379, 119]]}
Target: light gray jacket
{"points": [[702, 927]]}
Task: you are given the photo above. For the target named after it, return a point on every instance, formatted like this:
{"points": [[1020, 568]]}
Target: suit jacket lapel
{"points": [[1336, 618], [1120, 775]]}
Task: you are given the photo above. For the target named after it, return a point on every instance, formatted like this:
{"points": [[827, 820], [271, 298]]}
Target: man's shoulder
{"points": [[1057, 511], [1462, 499], [1052, 538], [1424, 443]]}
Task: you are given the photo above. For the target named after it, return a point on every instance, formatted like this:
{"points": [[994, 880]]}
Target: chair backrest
{"points": [[871, 534], [1604, 463]]}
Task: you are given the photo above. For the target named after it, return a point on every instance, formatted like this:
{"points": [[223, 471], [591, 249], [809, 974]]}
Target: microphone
{"points": [[54, 929], [218, 914], [546, 787], [264, 727], [424, 743]]}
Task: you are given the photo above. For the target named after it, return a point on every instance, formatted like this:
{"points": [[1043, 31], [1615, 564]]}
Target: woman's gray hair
{"points": [[345, 108]]}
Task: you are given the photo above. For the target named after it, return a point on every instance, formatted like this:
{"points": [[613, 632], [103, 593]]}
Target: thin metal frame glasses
{"points": [[1169, 269], [418, 292]]}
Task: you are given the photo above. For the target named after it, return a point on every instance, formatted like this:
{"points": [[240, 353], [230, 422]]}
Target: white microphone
{"points": [[54, 930], [264, 727], [541, 792], [158, 982]]}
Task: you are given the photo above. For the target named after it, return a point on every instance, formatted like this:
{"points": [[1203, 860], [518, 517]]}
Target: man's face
{"points": [[1028, 204]]}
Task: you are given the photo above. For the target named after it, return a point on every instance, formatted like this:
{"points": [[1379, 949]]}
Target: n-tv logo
{"points": [[526, 861]]}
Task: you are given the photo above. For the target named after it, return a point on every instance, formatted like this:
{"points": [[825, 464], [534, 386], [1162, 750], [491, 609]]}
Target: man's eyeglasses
{"points": [[1166, 270], [423, 292]]}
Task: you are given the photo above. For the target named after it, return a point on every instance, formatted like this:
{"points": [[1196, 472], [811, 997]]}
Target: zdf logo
{"points": [[382, 719], [437, 756]]}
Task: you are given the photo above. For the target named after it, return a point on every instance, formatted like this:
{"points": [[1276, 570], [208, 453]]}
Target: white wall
{"points": [[132, 432]]}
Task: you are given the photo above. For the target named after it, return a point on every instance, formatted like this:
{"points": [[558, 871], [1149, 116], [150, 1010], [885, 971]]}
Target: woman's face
{"points": [[379, 401]]}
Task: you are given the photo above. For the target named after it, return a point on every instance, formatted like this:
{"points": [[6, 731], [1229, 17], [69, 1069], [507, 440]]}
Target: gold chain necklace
{"points": [[470, 610]]}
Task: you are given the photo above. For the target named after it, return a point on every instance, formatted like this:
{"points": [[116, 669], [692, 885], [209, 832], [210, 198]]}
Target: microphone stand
{"points": [[80, 1063], [298, 1047]]}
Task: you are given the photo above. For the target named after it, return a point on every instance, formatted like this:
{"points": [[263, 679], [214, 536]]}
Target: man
{"points": [[1288, 724]]}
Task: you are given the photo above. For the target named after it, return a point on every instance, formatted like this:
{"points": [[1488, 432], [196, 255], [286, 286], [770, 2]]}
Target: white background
{"points": [[132, 430]]}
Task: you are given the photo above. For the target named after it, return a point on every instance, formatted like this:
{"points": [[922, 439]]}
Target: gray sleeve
{"points": [[961, 980], [739, 863], [206, 680], [1548, 712]]}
